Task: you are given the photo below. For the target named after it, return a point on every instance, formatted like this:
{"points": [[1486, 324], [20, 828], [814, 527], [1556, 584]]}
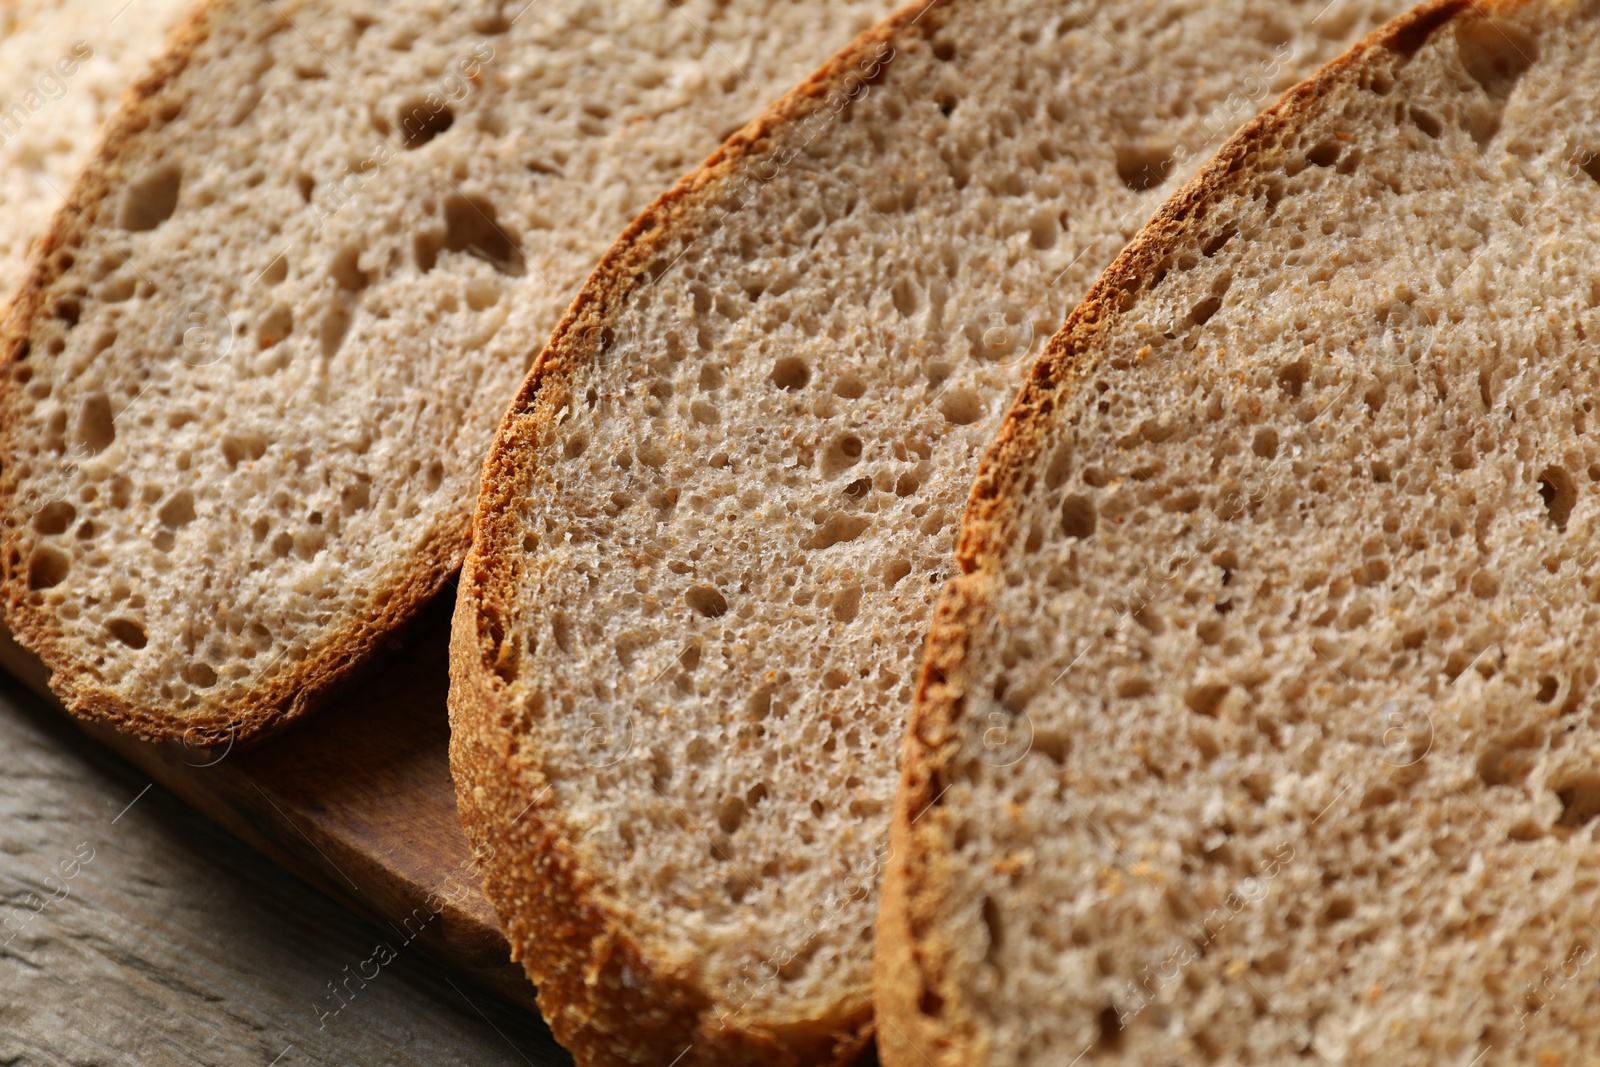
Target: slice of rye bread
{"points": [[63, 66], [716, 519], [248, 388], [1261, 724]]}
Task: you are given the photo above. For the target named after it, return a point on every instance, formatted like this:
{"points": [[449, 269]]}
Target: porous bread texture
{"points": [[260, 358], [65, 64], [1260, 727], [715, 521]]}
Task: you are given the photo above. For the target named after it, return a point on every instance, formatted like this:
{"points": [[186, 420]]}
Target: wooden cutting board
{"points": [[357, 801]]}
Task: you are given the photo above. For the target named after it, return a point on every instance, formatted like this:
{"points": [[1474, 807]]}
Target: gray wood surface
{"points": [[172, 943]]}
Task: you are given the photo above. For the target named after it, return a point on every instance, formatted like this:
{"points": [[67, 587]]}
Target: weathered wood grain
{"points": [[357, 802], [176, 944]]}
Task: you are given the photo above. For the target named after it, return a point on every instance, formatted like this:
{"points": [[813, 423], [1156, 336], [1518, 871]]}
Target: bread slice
{"points": [[716, 519], [258, 362], [1260, 726], [63, 66]]}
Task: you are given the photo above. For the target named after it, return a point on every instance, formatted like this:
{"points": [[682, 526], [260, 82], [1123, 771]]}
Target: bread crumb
{"points": [[1010, 864]]}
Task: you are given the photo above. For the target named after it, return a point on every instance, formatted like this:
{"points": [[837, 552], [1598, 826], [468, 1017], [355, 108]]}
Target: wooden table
{"points": [[176, 944]]}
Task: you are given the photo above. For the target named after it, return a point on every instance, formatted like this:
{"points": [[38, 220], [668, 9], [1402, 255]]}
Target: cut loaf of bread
{"points": [[64, 64], [1260, 727], [716, 519], [249, 385]]}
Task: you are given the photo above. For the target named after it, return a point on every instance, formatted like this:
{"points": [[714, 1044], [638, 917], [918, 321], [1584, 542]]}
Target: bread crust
{"points": [[911, 989], [305, 684], [603, 996]]}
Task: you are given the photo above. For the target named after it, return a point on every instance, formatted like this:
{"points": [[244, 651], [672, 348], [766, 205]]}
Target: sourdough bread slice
{"points": [[1260, 727], [248, 388], [64, 64], [715, 521]]}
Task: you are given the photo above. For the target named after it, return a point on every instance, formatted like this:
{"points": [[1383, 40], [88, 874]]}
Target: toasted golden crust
{"points": [[912, 992], [604, 998]]}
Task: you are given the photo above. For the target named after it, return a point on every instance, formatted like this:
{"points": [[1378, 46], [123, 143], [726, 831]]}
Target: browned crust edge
{"points": [[306, 684], [604, 998], [912, 993]]}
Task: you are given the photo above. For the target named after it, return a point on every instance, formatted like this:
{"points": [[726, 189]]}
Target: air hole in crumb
{"points": [[846, 604], [276, 271], [1109, 1030], [1265, 443], [275, 325], [1496, 53], [905, 294], [491, 24], [1060, 467], [1338, 910], [420, 123], [1426, 122], [236, 448], [1379, 796], [961, 407], [178, 511], [1324, 153], [843, 453], [54, 517], [96, 426], [1374, 572], [471, 225], [128, 632], [838, 529], [1215, 244], [1205, 699], [1501, 766], [1293, 377], [47, 567], [346, 269], [1138, 686], [1580, 799], [305, 183], [1078, 516], [1201, 313], [1548, 688], [790, 373], [1588, 161], [150, 200], [335, 325], [200, 675], [1143, 167], [1043, 230], [850, 386], [992, 925], [730, 814], [707, 601], [1484, 585], [1560, 494]]}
